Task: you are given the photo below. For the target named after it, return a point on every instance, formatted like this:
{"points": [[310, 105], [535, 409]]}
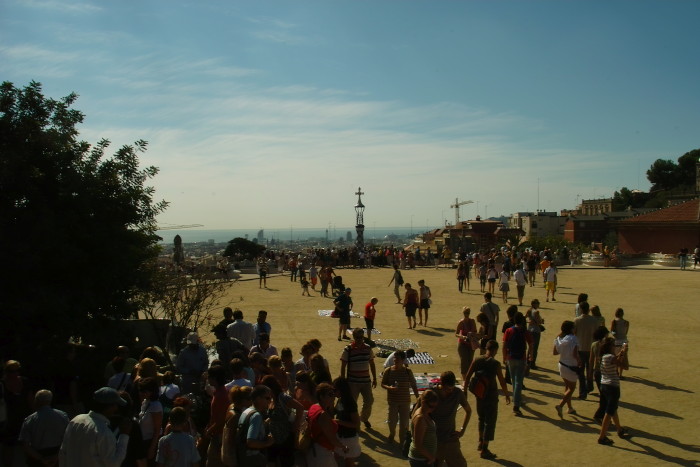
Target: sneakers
{"points": [[486, 454], [623, 433], [560, 411], [606, 441]]}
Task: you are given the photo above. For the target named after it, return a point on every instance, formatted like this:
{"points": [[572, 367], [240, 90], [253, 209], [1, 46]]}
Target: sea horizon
{"points": [[285, 235]]}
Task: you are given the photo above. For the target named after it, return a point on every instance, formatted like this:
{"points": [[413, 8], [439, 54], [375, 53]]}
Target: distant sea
{"points": [[284, 235]]}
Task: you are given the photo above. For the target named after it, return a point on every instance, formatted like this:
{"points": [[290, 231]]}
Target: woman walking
{"points": [[487, 408], [619, 329], [468, 342], [535, 324], [566, 346], [424, 443], [610, 388]]}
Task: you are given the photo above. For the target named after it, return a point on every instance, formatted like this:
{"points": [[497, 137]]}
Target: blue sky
{"points": [[271, 114]]}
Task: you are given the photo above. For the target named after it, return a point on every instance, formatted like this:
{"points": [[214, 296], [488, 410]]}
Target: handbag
{"points": [[542, 328], [478, 385]]}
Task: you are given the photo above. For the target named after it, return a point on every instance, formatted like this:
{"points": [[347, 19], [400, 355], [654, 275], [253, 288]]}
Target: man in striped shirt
{"points": [[356, 363]]}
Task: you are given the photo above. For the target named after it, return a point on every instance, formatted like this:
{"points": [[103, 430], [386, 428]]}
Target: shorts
{"points": [[411, 310], [425, 303], [504, 287], [612, 397], [568, 374], [354, 449], [369, 324], [263, 273], [550, 286], [344, 318], [492, 280]]}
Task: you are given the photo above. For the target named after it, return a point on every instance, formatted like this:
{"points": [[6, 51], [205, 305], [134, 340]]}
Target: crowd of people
{"points": [[255, 405]]}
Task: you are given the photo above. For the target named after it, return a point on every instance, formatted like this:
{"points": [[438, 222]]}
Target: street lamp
{"points": [[359, 220]]}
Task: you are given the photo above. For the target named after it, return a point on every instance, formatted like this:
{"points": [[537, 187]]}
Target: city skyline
{"points": [[273, 113]]}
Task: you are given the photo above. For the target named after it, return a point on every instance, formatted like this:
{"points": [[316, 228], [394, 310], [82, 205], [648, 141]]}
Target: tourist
{"points": [[491, 311], [550, 280], [450, 398], [178, 447], [240, 398], [424, 301], [264, 346], [348, 420], [313, 275], [610, 387], [595, 312], [192, 362], [585, 326], [216, 377], [535, 324], [357, 362], [252, 423], [42, 432], [319, 372], [504, 285], [410, 353], [467, 341], [566, 346], [619, 327], [89, 440], [324, 430], [241, 330], [283, 430], [424, 443], [239, 375], [461, 276], [129, 362], [370, 314], [399, 382], [410, 305], [520, 283], [487, 408], [262, 272], [594, 362], [277, 370], [491, 275], [343, 305], [150, 416], [517, 351], [482, 276], [397, 279], [304, 390], [582, 297], [261, 326]]}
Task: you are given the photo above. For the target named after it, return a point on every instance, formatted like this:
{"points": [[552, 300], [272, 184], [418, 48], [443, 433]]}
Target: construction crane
{"points": [[456, 206]]}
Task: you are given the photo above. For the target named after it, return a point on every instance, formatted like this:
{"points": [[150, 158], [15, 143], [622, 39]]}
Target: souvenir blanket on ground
{"points": [[374, 331], [396, 344], [421, 358], [429, 381], [330, 312]]}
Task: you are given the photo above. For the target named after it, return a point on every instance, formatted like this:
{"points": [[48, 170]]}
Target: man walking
{"points": [[357, 362], [491, 311], [550, 280], [520, 283], [42, 432], [343, 305], [397, 279], [585, 327], [517, 351]]}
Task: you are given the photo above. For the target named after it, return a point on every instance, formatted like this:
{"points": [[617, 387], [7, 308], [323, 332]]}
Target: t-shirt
{"points": [[404, 379], [343, 411], [177, 449], [515, 341], [357, 358], [444, 413], [148, 430], [370, 312], [585, 327], [256, 427], [565, 346], [608, 370]]}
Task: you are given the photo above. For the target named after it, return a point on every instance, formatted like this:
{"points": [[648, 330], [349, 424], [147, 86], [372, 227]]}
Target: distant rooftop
{"points": [[688, 211]]}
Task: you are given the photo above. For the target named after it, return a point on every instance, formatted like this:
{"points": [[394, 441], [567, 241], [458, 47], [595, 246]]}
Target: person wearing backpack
{"points": [[397, 279], [517, 351], [278, 421], [252, 438]]}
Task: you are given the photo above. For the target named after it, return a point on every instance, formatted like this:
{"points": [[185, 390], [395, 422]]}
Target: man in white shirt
{"points": [[520, 283], [89, 440], [550, 280], [241, 330]]}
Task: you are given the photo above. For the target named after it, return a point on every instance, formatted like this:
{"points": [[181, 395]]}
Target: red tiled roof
{"points": [[684, 212]]}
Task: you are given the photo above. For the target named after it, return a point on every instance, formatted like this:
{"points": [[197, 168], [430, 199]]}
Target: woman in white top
{"points": [[619, 327], [566, 346], [610, 388], [150, 416]]}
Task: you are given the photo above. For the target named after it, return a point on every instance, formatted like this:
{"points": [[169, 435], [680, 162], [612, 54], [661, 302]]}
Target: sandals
{"points": [[623, 433], [605, 441]]}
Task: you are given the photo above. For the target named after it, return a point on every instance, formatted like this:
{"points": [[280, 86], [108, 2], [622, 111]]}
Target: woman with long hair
{"points": [[619, 329], [304, 390], [319, 373], [468, 341], [348, 419], [566, 346], [324, 430], [240, 397], [424, 443]]}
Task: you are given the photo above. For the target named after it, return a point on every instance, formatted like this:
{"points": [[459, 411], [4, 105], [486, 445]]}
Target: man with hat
{"points": [[89, 440], [192, 361]]}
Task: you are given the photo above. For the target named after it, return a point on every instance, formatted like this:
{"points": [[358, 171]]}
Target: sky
{"points": [[272, 114]]}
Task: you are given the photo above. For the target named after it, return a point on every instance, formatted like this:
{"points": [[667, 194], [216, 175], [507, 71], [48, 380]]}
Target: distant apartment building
{"points": [[538, 224]]}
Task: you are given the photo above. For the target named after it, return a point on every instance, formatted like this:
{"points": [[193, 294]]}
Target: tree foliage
{"points": [[664, 174], [241, 247], [77, 225]]}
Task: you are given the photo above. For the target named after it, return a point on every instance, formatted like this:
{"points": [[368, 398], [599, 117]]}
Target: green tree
{"points": [[244, 248], [664, 174], [77, 225]]}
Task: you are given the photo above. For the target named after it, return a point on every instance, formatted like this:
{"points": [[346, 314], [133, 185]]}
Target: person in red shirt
{"points": [[370, 313]]}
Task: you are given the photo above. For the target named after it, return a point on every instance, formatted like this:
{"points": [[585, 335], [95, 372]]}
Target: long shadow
{"points": [[506, 462], [648, 450], [270, 289], [573, 423], [649, 411], [429, 333], [655, 385], [443, 329]]}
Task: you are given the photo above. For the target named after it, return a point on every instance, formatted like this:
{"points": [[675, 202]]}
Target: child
{"points": [[177, 449], [304, 287], [504, 286]]}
